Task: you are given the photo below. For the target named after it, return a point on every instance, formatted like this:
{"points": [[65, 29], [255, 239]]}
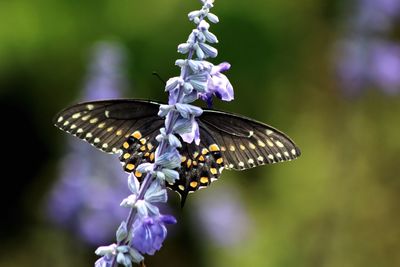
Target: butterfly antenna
{"points": [[159, 77]]}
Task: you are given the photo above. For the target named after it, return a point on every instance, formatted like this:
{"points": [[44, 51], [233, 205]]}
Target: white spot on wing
{"points": [[279, 144], [76, 115]]}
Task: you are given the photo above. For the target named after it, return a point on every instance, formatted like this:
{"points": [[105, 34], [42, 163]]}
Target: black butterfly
{"points": [[129, 127]]}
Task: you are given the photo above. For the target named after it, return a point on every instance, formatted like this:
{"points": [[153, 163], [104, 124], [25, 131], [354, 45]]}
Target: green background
{"points": [[336, 206]]}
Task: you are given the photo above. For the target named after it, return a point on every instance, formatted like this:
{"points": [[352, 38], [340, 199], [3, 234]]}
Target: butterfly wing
{"points": [[106, 124], [246, 143]]}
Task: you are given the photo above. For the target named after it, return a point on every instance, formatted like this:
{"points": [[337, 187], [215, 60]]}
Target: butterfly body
{"points": [[129, 127]]}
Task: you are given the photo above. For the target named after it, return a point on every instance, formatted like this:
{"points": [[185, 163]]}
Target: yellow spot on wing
{"points": [[143, 141], [252, 146], [213, 171], [127, 156], [152, 156], [261, 143], [204, 151], [270, 143], [101, 125], [188, 163], [94, 120], [138, 174], [125, 145], [214, 147], [130, 167], [203, 180], [119, 132], [242, 147], [232, 148], [109, 129], [137, 135], [90, 107], [60, 119], [220, 160], [181, 187], [193, 184]]}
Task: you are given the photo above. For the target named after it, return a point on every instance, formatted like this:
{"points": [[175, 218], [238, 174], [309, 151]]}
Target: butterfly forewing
{"points": [[246, 143], [107, 124], [129, 127]]}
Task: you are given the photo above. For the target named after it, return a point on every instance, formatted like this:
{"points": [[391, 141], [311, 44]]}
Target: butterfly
{"points": [[128, 127]]}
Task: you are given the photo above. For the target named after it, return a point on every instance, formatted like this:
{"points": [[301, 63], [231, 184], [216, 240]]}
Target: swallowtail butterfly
{"points": [[129, 127]]}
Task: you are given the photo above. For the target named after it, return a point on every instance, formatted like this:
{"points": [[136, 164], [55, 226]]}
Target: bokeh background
{"points": [[327, 72]]}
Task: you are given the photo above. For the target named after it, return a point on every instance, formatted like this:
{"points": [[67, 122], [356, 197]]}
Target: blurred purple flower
{"points": [[85, 197], [372, 64], [366, 57], [106, 76], [149, 232], [222, 217], [385, 66], [377, 15]]}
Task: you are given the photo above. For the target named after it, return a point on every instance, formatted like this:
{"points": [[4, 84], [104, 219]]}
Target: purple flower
{"points": [[89, 189], [149, 232], [385, 67], [367, 57], [376, 15], [194, 134], [370, 64], [218, 85], [222, 217]]}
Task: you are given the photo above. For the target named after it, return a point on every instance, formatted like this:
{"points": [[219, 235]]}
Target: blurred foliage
{"points": [[335, 206]]}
